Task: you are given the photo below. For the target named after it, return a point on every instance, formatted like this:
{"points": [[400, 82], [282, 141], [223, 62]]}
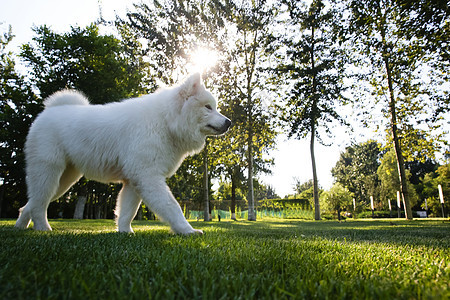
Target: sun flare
{"points": [[203, 59]]}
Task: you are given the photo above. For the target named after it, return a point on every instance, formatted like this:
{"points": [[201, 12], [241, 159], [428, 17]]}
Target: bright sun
{"points": [[202, 59]]}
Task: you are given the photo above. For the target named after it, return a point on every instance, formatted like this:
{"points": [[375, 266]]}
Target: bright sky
{"points": [[292, 158]]}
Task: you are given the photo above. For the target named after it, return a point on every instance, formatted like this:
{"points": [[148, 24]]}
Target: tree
{"points": [[300, 187], [427, 21], [173, 31], [336, 199], [263, 191], [394, 63], [233, 149], [83, 59], [100, 66], [236, 31], [252, 22], [18, 107], [314, 68], [388, 174], [305, 191], [429, 186], [231, 161], [357, 168]]}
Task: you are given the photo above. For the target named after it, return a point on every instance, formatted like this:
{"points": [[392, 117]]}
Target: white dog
{"points": [[139, 142]]}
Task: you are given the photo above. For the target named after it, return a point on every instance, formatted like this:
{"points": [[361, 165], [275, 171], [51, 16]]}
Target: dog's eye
{"points": [[208, 106]]}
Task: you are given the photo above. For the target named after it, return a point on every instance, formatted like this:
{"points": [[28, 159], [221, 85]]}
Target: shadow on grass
{"points": [[434, 233], [396, 231]]}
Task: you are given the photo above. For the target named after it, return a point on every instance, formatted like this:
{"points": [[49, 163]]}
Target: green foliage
{"points": [[249, 25], [18, 107], [98, 65], [430, 190], [419, 144], [388, 174], [304, 190], [427, 21], [226, 27], [314, 70], [247, 260], [377, 214], [285, 203], [300, 187], [263, 191], [336, 199], [357, 168], [394, 42], [186, 183], [311, 62], [172, 31], [83, 59], [224, 192], [394, 58]]}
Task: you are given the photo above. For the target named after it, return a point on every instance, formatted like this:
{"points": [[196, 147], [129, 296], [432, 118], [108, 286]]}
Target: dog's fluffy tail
{"points": [[66, 97]]}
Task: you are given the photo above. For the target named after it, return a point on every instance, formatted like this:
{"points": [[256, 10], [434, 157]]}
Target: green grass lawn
{"points": [[269, 259]]}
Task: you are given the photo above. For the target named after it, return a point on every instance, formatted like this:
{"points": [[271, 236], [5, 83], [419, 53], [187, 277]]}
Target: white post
{"points": [[441, 196], [354, 204], [371, 205], [390, 208], [398, 204]]}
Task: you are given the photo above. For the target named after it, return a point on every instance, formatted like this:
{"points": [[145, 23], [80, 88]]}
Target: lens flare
{"points": [[203, 59]]}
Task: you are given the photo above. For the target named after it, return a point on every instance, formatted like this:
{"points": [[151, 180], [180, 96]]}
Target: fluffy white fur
{"points": [[139, 142]]}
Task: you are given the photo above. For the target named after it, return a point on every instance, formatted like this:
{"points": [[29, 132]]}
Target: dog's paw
{"points": [[191, 232], [197, 232]]}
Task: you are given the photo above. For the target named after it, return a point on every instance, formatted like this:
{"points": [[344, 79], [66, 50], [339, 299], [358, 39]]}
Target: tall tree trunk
{"points": [[233, 196], [315, 183], [400, 161], [250, 197], [81, 203], [313, 131], [250, 64], [79, 208], [205, 183], [397, 147]]}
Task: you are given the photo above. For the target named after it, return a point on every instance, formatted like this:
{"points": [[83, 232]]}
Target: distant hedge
{"points": [[284, 202], [383, 214]]}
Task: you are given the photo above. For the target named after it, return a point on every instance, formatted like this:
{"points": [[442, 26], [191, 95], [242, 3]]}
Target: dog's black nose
{"points": [[227, 124]]}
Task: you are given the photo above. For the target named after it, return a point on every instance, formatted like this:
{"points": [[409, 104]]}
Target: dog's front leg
{"points": [[156, 194], [127, 206]]}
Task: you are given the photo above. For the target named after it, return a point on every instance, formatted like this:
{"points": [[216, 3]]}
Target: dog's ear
{"points": [[191, 86]]}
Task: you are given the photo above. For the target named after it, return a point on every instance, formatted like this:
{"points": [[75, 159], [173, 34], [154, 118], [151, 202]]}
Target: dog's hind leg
{"points": [[68, 178], [156, 194], [42, 183], [127, 206]]}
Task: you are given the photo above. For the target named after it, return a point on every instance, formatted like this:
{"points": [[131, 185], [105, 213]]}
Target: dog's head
{"points": [[200, 107]]}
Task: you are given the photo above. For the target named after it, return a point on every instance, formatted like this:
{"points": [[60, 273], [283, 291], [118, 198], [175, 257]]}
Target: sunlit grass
{"points": [[270, 259]]}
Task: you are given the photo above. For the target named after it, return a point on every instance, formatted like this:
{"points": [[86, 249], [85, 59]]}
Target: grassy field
{"points": [[268, 259]]}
